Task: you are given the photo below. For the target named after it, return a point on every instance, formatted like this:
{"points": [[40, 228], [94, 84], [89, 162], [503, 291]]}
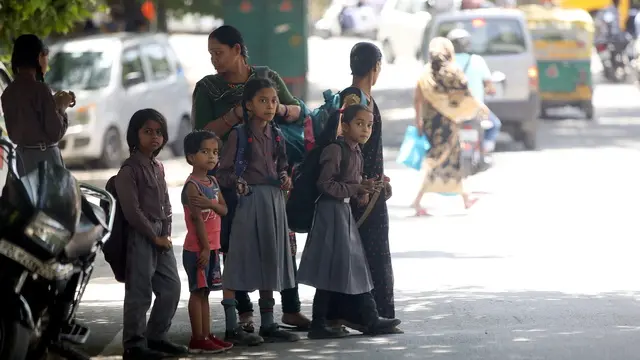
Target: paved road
{"points": [[544, 267]]}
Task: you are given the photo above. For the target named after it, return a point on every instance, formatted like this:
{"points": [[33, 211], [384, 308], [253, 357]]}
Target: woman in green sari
{"points": [[216, 107]]}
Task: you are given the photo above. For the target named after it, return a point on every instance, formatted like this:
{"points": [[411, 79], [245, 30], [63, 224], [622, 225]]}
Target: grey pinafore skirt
{"points": [[333, 257], [29, 157], [259, 256]]}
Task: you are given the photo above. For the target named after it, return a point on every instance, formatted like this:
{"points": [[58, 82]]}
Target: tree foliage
{"points": [[202, 7], [40, 17]]}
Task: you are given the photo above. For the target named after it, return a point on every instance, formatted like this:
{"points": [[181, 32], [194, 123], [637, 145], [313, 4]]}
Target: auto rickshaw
{"points": [[562, 43]]}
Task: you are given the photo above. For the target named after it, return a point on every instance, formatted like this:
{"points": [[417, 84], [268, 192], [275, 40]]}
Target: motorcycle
{"points": [[471, 136], [614, 51], [50, 234]]}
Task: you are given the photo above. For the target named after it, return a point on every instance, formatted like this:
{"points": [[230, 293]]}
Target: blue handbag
{"points": [[414, 148]]}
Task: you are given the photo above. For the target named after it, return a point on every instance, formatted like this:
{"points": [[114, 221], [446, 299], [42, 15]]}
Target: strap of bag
{"points": [[240, 162], [468, 63], [369, 208]]}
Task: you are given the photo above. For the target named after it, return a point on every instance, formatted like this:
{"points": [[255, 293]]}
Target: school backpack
{"points": [[115, 249], [300, 136], [305, 193], [230, 195]]}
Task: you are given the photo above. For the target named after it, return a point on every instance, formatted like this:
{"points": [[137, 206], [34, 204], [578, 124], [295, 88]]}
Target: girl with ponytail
{"points": [[259, 233], [35, 119]]}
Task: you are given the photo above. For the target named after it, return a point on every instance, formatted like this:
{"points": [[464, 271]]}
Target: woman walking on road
{"points": [[442, 98], [35, 119], [217, 107]]}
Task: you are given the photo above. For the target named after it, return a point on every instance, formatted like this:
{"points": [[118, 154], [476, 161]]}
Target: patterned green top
{"points": [[213, 97]]}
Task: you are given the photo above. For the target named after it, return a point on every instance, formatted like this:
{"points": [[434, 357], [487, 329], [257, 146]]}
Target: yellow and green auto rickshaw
{"points": [[563, 39]]}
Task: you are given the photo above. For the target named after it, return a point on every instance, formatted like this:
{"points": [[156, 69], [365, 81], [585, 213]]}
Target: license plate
{"points": [[469, 135], [19, 255]]}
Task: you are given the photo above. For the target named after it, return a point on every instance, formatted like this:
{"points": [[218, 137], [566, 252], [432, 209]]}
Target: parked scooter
{"points": [[49, 237]]}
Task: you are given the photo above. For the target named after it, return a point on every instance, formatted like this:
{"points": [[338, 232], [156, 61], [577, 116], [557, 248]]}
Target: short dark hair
{"points": [[137, 122], [363, 58], [27, 49], [193, 142]]}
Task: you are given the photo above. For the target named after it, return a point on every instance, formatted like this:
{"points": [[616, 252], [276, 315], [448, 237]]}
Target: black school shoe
{"points": [[325, 332], [240, 337], [142, 353], [167, 347], [273, 333]]}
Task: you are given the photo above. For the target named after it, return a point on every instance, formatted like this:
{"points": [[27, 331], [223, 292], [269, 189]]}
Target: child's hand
{"points": [[242, 188], [163, 242], [285, 183], [363, 200], [201, 201], [203, 258], [367, 186]]}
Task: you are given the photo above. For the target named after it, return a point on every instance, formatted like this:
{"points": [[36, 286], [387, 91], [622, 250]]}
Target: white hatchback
{"points": [[113, 76]]}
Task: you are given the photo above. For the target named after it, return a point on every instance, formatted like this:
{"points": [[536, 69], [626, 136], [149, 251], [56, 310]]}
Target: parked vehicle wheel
{"points": [[544, 112], [183, 130], [529, 140], [588, 110], [387, 51], [14, 340], [111, 149]]}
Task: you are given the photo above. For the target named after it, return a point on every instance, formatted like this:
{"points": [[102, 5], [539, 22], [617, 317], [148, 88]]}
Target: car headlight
{"points": [[49, 233], [83, 115]]}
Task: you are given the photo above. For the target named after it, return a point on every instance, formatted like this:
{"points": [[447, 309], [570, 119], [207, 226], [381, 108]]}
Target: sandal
{"points": [[246, 323], [470, 203], [422, 212]]}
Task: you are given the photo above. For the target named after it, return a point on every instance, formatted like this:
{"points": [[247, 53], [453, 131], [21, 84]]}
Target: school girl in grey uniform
{"points": [[259, 256], [151, 267], [334, 260]]}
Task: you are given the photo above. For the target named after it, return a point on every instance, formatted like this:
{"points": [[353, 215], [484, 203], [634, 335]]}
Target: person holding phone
{"points": [[35, 119]]}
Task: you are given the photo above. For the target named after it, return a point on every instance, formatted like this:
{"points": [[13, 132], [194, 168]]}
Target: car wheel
{"points": [[183, 130], [111, 150], [529, 140], [387, 50]]}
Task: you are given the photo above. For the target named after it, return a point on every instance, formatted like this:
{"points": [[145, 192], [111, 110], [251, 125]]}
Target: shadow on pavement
{"points": [[467, 323]]}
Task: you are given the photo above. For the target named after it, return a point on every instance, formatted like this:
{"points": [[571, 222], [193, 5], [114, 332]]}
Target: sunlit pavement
{"points": [[543, 267]]}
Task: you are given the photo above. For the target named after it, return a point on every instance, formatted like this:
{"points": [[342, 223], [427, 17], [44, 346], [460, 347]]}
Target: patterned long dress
{"points": [[445, 173], [374, 231]]}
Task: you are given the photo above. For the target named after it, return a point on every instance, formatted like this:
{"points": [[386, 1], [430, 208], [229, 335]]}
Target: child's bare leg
{"points": [[196, 315], [206, 314], [269, 330]]}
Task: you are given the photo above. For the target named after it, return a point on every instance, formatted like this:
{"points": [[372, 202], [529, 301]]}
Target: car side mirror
{"points": [[132, 78]]}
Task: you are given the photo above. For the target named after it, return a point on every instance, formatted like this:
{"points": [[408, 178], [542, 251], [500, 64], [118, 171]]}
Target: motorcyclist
{"points": [[479, 80]]}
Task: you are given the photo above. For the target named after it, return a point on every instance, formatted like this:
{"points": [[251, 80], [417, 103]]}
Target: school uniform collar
{"points": [[143, 159], [266, 131]]}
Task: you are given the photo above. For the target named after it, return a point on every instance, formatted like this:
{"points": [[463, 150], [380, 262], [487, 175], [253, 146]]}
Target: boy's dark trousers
{"points": [[153, 271], [290, 298]]}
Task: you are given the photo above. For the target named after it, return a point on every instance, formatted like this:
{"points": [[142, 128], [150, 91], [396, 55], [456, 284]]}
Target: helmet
{"points": [[461, 40]]}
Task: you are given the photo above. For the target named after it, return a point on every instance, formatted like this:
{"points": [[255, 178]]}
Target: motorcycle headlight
{"points": [[48, 233]]}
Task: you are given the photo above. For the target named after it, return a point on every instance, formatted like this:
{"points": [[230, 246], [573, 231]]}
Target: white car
{"points": [[402, 28], [113, 76]]}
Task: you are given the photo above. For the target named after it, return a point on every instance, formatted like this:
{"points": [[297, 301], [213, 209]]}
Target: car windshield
{"points": [[489, 36], [80, 70]]}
